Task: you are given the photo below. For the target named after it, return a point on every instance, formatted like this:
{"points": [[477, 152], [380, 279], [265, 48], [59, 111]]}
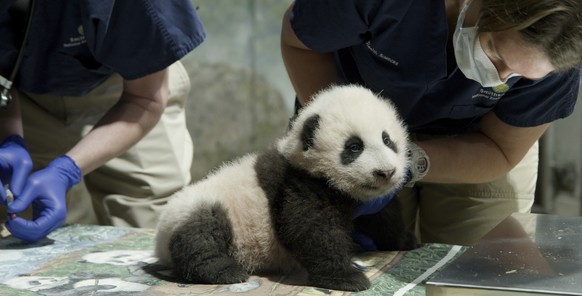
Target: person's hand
{"points": [[368, 208], [46, 189], [372, 207], [15, 165], [376, 205], [365, 242]]}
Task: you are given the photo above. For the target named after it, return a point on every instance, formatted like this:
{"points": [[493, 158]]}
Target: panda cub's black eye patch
{"points": [[388, 142], [353, 147]]}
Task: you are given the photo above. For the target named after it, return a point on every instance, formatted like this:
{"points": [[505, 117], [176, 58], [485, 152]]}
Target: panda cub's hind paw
{"points": [[231, 274], [354, 281]]}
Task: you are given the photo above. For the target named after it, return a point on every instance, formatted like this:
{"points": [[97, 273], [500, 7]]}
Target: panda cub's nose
{"points": [[384, 174]]}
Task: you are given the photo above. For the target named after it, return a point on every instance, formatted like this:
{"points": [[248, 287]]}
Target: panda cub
{"points": [[293, 205]]}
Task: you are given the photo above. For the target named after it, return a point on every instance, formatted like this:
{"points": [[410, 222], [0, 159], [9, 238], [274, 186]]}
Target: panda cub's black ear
{"points": [[308, 133]]}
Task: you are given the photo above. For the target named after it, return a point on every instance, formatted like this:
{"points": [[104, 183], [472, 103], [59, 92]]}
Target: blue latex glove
{"points": [[365, 242], [372, 207], [376, 205], [46, 189], [368, 208], [15, 165]]}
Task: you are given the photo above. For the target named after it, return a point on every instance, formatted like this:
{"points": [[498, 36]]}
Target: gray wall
{"points": [[241, 97], [245, 34], [559, 185]]}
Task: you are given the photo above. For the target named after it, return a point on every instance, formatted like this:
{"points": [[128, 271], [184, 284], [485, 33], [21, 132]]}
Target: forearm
{"points": [[309, 71], [467, 158], [121, 128], [481, 156]]}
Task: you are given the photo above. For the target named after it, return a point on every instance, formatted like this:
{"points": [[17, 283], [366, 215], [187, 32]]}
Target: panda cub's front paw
{"points": [[353, 281]]}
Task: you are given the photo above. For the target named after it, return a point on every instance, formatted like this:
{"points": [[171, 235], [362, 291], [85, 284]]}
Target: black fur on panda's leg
{"points": [[386, 228], [200, 249], [327, 259], [317, 231]]}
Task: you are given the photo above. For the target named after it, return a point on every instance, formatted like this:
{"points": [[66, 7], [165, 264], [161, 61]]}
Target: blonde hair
{"points": [[554, 26]]}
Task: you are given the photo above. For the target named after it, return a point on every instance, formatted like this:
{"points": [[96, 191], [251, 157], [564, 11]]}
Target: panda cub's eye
{"points": [[355, 148], [388, 142], [354, 145]]}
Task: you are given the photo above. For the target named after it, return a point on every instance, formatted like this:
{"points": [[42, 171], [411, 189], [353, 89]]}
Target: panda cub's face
{"points": [[353, 138]]}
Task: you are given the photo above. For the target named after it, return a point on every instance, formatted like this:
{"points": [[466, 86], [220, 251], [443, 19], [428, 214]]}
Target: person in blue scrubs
{"points": [[99, 97], [476, 81]]}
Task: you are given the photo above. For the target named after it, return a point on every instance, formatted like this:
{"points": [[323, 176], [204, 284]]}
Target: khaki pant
{"points": [[130, 189], [463, 213]]}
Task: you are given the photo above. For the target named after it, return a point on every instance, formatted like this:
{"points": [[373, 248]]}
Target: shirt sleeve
{"points": [[8, 46], [531, 103], [139, 37], [329, 25]]}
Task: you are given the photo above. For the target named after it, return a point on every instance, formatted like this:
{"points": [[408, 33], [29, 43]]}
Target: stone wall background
{"points": [[241, 98]]}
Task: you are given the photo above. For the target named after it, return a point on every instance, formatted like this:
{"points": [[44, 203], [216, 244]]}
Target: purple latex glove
{"points": [[46, 189], [15, 165]]}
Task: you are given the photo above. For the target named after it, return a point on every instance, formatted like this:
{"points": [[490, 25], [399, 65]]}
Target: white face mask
{"points": [[471, 59]]}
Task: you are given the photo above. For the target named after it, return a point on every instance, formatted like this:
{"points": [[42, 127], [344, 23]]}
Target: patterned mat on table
{"points": [[102, 260]]}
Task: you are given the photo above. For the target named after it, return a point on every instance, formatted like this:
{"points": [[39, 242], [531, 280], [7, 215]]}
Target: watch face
{"points": [[422, 165], [5, 100]]}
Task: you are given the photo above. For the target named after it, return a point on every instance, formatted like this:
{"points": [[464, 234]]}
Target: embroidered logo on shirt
{"points": [[501, 88], [77, 39], [381, 55]]}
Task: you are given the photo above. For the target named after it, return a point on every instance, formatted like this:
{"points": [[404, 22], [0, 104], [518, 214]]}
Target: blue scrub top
{"points": [[76, 45], [399, 49]]}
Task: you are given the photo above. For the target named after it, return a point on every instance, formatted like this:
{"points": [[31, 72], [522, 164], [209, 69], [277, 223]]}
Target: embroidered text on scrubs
{"points": [[76, 40], [488, 94], [381, 55]]}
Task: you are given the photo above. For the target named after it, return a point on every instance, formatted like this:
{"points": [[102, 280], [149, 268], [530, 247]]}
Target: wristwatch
{"points": [[419, 164]]}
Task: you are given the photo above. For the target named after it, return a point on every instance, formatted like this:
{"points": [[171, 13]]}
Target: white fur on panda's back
{"points": [[235, 187]]}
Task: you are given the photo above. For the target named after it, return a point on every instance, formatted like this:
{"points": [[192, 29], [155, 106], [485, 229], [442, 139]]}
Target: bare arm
{"points": [[479, 157], [308, 70], [140, 107]]}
